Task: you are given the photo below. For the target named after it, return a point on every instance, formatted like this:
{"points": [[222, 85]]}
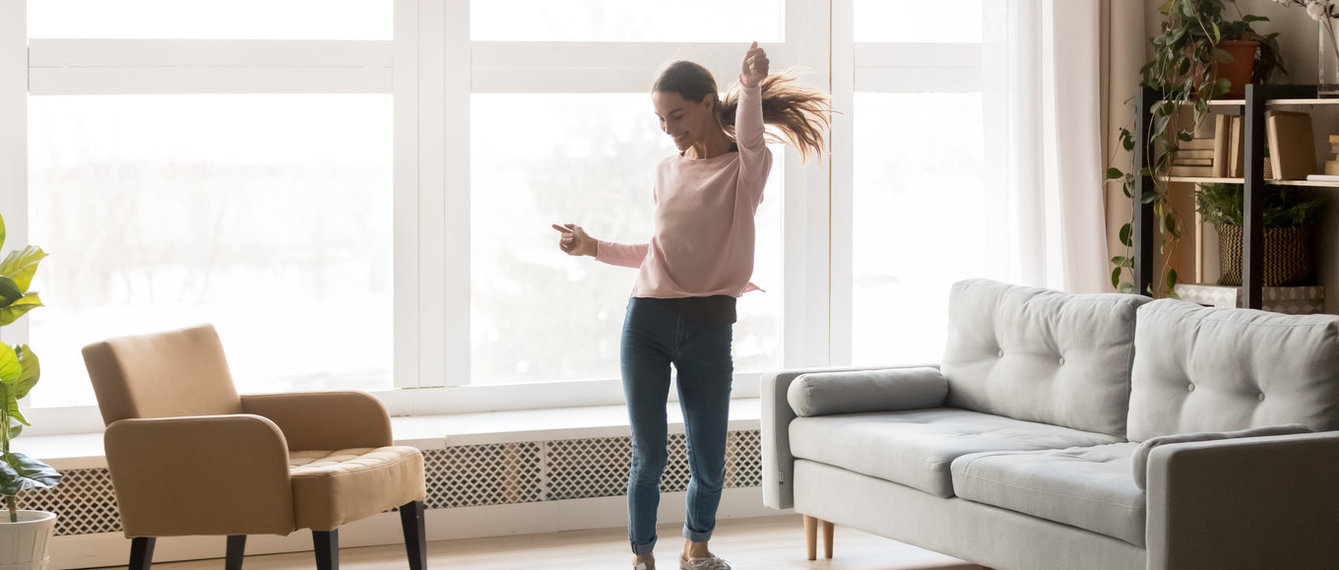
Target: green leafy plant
{"points": [[19, 371], [1224, 204], [1184, 73]]}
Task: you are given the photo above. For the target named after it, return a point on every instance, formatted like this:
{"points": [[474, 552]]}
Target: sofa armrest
{"points": [[1244, 503], [324, 420], [778, 465], [200, 475]]}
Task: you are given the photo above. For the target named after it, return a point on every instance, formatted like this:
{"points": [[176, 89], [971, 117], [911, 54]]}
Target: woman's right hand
{"points": [[574, 240]]}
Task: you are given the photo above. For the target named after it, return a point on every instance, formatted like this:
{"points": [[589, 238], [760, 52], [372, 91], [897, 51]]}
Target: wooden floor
{"points": [[763, 543]]}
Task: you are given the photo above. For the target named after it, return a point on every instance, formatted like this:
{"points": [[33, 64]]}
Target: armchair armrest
{"points": [[778, 465], [200, 475], [324, 420], [1244, 503]]}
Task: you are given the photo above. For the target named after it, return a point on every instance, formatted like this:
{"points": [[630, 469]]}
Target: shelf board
{"points": [[1317, 101], [1208, 180], [1205, 180]]}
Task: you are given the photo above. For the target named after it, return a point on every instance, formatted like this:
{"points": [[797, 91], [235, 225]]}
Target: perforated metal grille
{"points": [[458, 476], [84, 501], [477, 475]]}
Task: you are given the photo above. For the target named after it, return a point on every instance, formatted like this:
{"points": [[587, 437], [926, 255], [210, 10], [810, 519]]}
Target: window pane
{"points": [[920, 219], [212, 19], [267, 215], [918, 21], [623, 21], [538, 315]]}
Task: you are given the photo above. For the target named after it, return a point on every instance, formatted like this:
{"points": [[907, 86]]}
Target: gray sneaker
{"points": [[710, 562]]}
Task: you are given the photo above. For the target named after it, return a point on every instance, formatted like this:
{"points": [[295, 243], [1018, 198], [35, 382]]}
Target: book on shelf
{"points": [[1196, 153], [1196, 144], [1236, 160], [1291, 146], [1323, 177], [1221, 132], [1192, 161], [1332, 167], [1187, 170]]}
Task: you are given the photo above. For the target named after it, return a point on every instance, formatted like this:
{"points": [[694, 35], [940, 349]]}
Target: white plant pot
{"points": [[23, 545]]}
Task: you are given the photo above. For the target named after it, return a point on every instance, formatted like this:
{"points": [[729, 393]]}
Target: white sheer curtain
{"points": [[1042, 69]]}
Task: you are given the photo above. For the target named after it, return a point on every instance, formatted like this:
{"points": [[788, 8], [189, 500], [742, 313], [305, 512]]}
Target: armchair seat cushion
{"points": [[916, 447], [1087, 487], [331, 488]]}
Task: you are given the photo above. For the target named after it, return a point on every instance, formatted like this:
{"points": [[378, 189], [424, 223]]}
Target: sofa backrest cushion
{"points": [[1201, 369], [1041, 355]]}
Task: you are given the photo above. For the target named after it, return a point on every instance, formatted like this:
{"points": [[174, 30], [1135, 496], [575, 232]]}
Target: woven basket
{"points": [[1287, 255]]}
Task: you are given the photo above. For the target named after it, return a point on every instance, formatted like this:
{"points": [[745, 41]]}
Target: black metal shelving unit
{"points": [[1252, 108]]}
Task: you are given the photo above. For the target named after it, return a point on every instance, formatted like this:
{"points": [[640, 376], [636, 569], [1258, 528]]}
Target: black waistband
{"points": [[713, 310]]}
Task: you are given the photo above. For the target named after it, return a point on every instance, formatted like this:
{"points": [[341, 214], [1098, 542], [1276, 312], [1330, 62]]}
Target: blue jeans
{"points": [[654, 339]]}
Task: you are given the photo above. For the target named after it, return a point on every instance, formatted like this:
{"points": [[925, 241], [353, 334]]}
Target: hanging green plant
{"points": [[1185, 73]]}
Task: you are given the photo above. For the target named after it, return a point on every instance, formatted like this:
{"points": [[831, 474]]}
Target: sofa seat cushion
{"points": [[1087, 487], [331, 488], [915, 447]]}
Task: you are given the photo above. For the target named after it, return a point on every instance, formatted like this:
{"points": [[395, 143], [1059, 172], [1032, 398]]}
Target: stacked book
{"points": [[1196, 158]]}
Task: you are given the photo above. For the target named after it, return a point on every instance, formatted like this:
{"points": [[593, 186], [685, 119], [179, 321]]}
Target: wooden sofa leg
{"points": [[827, 539], [415, 544], [811, 537], [141, 552], [327, 549], [236, 551]]}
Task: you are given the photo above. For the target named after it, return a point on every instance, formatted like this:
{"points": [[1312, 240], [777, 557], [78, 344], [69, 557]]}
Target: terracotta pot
{"points": [[1240, 69]]}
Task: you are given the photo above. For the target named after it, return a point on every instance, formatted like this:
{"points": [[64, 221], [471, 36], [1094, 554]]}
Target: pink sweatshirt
{"points": [[704, 232]]}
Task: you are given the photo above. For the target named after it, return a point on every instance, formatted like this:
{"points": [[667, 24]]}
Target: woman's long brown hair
{"points": [[802, 114]]}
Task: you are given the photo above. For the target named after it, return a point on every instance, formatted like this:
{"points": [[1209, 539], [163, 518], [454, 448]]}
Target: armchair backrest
{"points": [[175, 373]]}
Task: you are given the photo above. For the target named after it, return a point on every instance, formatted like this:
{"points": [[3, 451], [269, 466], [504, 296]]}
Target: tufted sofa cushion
{"points": [[1041, 355], [1200, 369]]}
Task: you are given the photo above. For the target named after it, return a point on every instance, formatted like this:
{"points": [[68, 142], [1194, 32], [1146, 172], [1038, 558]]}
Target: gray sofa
{"points": [[1077, 431]]}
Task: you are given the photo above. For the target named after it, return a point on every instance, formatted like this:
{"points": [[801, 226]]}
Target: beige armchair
{"points": [[189, 456]]}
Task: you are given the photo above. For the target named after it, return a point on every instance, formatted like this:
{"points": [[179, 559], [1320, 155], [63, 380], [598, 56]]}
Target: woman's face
{"points": [[688, 123]]}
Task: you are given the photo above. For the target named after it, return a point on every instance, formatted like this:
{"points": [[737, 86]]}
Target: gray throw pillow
{"points": [[1140, 463], [854, 391]]}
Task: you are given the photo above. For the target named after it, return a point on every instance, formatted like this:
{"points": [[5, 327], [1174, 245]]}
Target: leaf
{"points": [[20, 265], [1171, 282], [1119, 260], [1126, 288], [1115, 278], [31, 370], [18, 308], [2, 231], [9, 291], [19, 472], [10, 368], [1185, 136], [1126, 235], [1221, 55], [1114, 173]]}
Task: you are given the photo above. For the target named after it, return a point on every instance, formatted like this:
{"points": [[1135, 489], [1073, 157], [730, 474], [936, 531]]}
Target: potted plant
{"points": [[23, 534], [1289, 219], [1188, 70]]}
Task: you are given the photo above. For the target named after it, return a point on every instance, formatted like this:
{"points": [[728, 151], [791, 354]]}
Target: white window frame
{"points": [[430, 69]]}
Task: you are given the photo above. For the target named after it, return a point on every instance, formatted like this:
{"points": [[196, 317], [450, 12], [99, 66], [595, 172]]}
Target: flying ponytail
{"points": [[801, 114]]}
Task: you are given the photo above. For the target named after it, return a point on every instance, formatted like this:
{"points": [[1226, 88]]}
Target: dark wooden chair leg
{"points": [[141, 553], [327, 549], [236, 551], [415, 539]]}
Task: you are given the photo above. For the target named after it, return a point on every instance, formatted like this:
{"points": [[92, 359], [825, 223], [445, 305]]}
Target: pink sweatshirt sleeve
{"points": [[623, 255], [755, 159]]}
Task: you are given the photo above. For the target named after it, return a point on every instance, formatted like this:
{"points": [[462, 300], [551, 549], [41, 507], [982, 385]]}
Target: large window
{"points": [[258, 213], [358, 193], [919, 202]]}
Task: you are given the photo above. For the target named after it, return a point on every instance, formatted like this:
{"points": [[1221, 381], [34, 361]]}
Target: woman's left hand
{"points": [[755, 66]]}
